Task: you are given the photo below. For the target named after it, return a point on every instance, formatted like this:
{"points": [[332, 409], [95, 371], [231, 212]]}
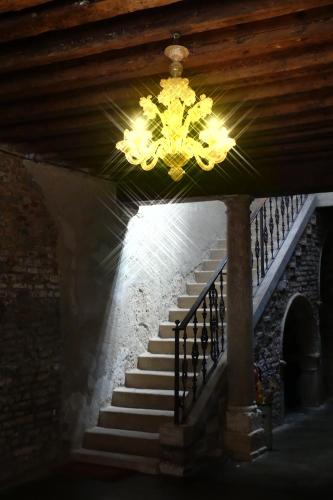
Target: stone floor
{"points": [[299, 467]]}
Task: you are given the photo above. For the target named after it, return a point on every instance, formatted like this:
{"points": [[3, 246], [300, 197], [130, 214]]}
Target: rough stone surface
{"points": [[121, 274], [301, 276], [31, 343]]}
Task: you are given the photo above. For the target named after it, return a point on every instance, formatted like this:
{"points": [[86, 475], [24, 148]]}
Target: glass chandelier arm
{"points": [[206, 165], [150, 161]]}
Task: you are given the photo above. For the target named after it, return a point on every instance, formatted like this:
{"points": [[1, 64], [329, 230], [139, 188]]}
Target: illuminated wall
{"points": [[119, 278]]}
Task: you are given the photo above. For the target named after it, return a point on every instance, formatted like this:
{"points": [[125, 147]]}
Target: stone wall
{"points": [[121, 274], [30, 339], [301, 276]]}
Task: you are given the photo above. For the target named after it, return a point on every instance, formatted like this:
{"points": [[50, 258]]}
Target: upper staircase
{"points": [[156, 392]]}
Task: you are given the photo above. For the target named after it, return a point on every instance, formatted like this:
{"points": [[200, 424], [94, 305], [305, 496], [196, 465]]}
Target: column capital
{"points": [[237, 200]]}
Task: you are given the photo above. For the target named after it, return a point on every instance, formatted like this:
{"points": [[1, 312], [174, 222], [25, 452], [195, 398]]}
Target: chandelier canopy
{"points": [[182, 128]]}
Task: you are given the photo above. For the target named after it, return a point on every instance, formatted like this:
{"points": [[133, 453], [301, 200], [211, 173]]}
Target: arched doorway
{"points": [[301, 356]]}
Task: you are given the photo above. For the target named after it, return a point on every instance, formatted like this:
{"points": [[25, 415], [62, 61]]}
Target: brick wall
{"points": [[30, 340], [301, 276]]}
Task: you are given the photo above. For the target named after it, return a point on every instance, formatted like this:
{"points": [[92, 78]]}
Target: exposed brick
{"points": [[31, 343]]}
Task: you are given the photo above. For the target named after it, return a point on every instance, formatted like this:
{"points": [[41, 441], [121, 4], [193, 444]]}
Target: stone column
{"points": [[244, 435]]}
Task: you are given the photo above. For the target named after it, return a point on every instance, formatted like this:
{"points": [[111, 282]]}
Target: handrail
{"points": [[212, 280], [271, 222]]}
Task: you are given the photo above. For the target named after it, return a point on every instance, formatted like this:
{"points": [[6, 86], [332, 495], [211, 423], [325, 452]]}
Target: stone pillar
{"points": [[244, 435]]}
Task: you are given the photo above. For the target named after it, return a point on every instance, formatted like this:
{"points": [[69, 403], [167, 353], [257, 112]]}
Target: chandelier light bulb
{"points": [[176, 126]]}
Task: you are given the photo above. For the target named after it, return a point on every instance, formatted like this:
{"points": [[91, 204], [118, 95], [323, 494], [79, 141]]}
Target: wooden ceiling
{"points": [[70, 71]]}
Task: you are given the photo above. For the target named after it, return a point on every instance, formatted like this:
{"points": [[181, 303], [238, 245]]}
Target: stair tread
{"points": [[190, 325], [120, 460], [187, 296], [137, 411], [174, 308], [139, 371], [156, 392], [167, 340], [160, 355], [123, 433]]}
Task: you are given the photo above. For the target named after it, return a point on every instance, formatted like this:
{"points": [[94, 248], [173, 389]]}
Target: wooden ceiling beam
{"points": [[145, 28], [289, 132], [267, 48], [62, 17], [127, 98], [241, 113], [17, 5], [98, 121], [87, 101], [103, 136], [255, 152]]}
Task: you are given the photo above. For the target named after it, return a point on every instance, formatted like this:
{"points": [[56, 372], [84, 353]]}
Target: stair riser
{"points": [[221, 244], [139, 400], [149, 381], [162, 347], [187, 302], [166, 331], [121, 444], [204, 276], [144, 423], [210, 265], [217, 254], [166, 364], [182, 313]]}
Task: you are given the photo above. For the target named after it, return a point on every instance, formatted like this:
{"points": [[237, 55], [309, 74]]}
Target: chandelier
{"points": [[182, 128]]}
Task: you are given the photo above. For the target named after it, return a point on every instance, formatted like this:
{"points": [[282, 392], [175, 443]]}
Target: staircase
{"points": [[127, 434], [128, 431]]}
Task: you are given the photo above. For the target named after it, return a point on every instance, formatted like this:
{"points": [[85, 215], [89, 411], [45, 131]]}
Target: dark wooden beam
{"points": [[253, 151], [288, 132], [16, 5], [67, 16], [297, 119], [127, 98], [274, 50], [24, 111], [146, 28]]}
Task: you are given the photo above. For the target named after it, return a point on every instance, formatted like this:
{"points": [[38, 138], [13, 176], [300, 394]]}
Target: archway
{"points": [[301, 356]]}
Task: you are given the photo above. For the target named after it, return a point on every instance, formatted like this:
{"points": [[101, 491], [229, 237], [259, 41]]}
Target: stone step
{"points": [[196, 288], [122, 441], [160, 362], [159, 345], [156, 399], [137, 419], [209, 265], [145, 465], [180, 314], [187, 301], [166, 329], [217, 253], [204, 276], [221, 244], [149, 379]]}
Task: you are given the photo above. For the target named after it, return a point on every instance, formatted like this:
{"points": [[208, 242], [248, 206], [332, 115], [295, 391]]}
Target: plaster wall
{"points": [[120, 276]]}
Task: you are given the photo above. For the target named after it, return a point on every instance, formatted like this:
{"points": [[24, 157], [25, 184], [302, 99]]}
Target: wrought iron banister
{"points": [[205, 321]]}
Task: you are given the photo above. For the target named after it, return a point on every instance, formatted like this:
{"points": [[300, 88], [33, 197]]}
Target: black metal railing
{"points": [[270, 226], [199, 348]]}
